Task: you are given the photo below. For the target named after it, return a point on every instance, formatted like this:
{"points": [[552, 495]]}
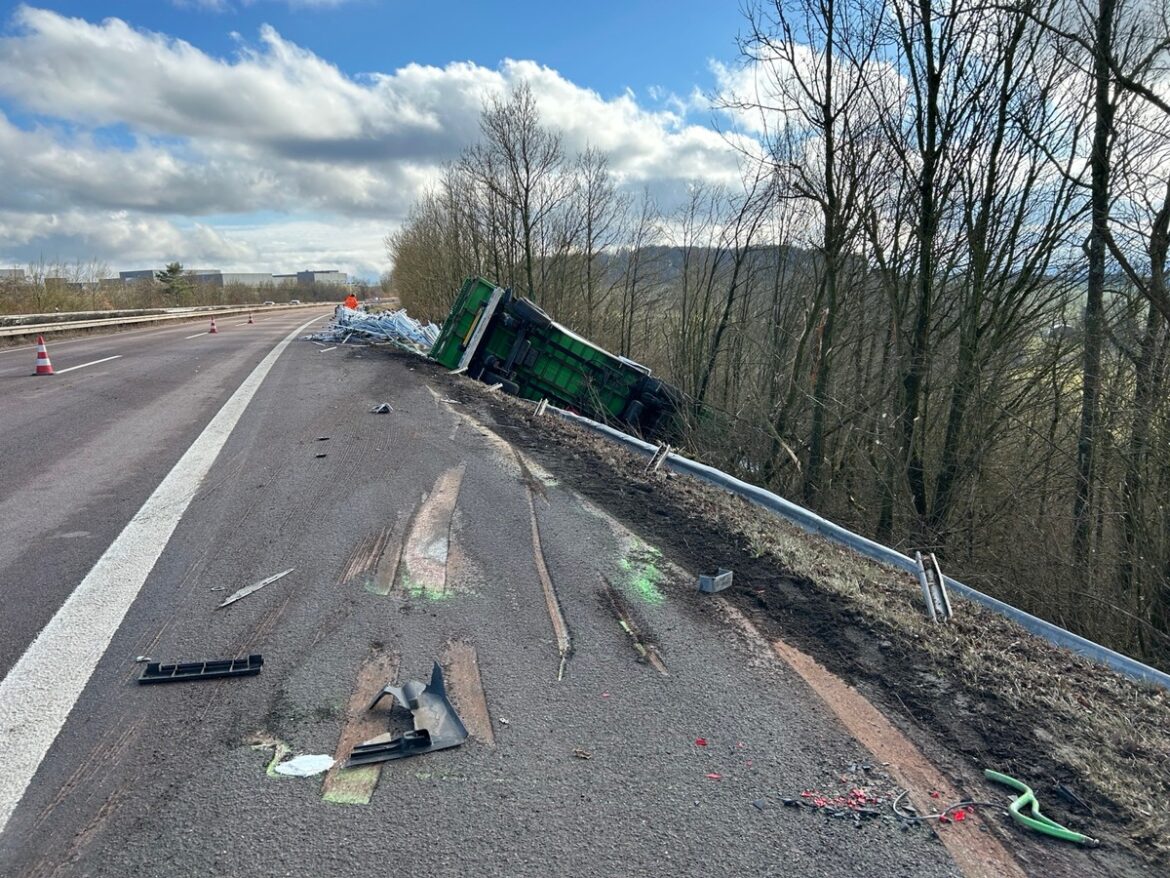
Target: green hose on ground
{"points": [[1036, 821]]}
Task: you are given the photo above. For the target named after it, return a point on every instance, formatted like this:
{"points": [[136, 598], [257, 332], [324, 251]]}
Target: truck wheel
{"points": [[508, 386], [522, 309]]}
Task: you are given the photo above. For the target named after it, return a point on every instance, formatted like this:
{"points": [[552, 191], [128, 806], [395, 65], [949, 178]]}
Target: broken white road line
{"points": [[196, 335], [41, 688], [83, 365]]}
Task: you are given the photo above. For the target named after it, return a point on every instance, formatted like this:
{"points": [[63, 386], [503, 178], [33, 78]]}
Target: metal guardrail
{"points": [[58, 327], [813, 523]]}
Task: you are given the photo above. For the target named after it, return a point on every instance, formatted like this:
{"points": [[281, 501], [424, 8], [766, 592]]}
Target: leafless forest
{"points": [[933, 307]]}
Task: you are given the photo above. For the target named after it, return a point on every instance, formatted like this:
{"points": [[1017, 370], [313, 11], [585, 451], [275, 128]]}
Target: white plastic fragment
{"points": [[305, 766]]}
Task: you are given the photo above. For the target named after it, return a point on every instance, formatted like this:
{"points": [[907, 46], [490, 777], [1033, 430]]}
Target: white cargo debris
{"points": [[396, 327]]}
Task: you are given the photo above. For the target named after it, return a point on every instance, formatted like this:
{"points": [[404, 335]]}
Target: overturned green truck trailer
{"points": [[503, 339]]}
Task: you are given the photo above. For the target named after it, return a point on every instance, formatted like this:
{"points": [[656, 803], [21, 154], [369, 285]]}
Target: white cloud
{"points": [[155, 131]]}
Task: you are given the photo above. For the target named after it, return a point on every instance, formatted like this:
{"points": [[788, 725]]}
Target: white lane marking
{"points": [[196, 335], [83, 365], [39, 692]]}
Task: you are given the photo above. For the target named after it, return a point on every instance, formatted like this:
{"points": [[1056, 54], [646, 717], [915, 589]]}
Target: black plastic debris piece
{"points": [[182, 672], [382, 409], [436, 725], [321, 455]]}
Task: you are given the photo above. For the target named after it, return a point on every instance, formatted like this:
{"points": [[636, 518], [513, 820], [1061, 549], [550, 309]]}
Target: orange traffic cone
{"points": [[250, 320], [213, 330], [44, 367]]}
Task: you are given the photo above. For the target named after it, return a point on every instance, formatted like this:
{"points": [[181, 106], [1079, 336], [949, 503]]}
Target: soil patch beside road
{"points": [[977, 693]]}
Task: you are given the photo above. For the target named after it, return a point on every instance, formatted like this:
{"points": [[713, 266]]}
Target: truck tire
{"points": [[507, 385], [522, 309]]}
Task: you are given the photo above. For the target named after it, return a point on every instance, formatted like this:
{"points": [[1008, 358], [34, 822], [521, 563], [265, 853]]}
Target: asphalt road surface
{"points": [[613, 729]]}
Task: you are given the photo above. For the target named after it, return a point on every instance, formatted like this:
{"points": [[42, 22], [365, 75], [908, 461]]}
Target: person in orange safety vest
{"points": [[351, 301]]}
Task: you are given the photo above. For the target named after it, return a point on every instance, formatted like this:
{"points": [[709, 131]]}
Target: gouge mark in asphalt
{"points": [[647, 652], [462, 673], [423, 571], [977, 854], [355, 786], [560, 629], [40, 690]]}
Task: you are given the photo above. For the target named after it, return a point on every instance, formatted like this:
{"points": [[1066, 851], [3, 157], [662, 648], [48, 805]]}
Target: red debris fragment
{"points": [[605, 695], [958, 815], [714, 775], [934, 794], [700, 742]]}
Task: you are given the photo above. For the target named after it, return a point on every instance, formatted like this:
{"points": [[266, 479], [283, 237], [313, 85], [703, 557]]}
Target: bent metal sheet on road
{"points": [[39, 692]]}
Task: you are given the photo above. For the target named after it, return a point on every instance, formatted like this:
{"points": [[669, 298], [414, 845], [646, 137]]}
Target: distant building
{"points": [[248, 278], [323, 278], [11, 274], [215, 277]]}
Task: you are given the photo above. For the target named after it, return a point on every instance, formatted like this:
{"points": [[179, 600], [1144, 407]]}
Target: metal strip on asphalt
{"points": [[83, 365], [41, 689]]}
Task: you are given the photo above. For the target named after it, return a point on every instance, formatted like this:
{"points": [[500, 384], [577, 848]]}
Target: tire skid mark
{"points": [[423, 568], [461, 663], [647, 651], [977, 854], [108, 751], [355, 786]]}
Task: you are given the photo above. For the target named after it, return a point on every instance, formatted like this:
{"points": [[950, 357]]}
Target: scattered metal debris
{"points": [[395, 327], [305, 766], [323, 350], [436, 724], [956, 812], [761, 804], [934, 590], [211, 670], [143, 658], [505, 722], [382, 408], [718, 582], [248, 589], [541, 408], [659, 458], [582, 754], [1034, 820], [319, 456], [494, 387], [322, 438], [450, 401]]}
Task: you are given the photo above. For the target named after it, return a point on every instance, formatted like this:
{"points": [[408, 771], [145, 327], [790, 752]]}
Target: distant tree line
{"points": [[935, 310]]}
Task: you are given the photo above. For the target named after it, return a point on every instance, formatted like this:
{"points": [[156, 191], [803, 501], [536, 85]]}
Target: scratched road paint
{"points": [[423, 570], [355, 786]]}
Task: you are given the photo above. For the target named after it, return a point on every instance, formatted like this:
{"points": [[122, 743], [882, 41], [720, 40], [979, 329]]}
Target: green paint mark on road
{"points": [[417, 588], [352, 786], [279, 751], [642, 573]]}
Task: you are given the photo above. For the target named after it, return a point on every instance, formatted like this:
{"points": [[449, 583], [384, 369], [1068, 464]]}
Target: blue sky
{"points": [[607, 45], [248, 133]]}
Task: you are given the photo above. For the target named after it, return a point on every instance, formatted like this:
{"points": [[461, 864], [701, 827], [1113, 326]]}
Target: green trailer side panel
{"points": [[460, 322]]}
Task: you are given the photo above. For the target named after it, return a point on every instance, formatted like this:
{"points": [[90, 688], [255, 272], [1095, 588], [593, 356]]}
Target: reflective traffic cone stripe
{"points": [[44, 367], [213, 329]]}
